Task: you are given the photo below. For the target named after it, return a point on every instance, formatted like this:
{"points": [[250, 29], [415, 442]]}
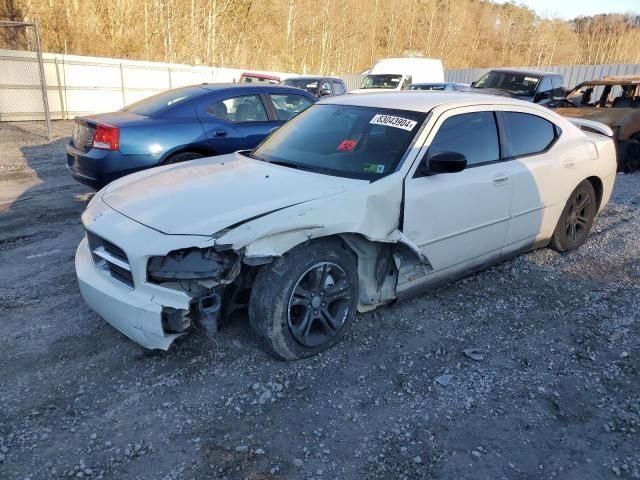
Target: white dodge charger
{"points": [[356, 202]]}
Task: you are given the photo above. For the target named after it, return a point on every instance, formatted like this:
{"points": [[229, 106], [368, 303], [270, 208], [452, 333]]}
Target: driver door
{"points": [[461, 218]]}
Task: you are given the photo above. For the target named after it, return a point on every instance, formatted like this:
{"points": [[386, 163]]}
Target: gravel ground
{"points": [[554, 392]]}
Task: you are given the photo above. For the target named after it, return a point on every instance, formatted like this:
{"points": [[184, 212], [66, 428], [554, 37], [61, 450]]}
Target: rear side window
{"points": [[157, 103], [526, 134], [338, 88], [246, 108], [474, 135], [289, 105]]}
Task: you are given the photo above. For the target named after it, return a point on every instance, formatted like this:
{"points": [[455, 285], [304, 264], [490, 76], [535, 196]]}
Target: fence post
{"points": [[43, 81], [124, 98], [62, 106]]}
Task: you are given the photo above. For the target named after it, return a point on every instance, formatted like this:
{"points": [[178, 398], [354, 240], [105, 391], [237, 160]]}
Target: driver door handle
{"points": [[219, 133], [500, 179]]}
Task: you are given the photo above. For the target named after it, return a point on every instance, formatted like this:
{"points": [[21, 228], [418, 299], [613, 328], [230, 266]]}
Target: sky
{"points": [[569, 9]]}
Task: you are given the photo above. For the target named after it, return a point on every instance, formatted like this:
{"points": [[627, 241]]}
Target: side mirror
{"points": [[324, 92], [473, 84], [443, 162], [542, 96]]}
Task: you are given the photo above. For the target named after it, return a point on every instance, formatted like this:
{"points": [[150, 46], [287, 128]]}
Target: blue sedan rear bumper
{"points": [[96, 167]]}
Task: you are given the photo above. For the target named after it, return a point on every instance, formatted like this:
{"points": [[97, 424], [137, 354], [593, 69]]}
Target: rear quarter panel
{"points": [[161, 136]]}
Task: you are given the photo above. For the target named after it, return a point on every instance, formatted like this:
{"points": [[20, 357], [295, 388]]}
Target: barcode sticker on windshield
{"points": [[395, 122]]}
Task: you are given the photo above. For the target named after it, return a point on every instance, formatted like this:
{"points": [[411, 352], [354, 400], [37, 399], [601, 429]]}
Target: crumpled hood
{"points": [[204, 196]]}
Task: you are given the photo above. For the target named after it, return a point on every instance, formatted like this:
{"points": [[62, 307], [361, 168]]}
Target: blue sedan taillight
{"points": [[107, 137]]}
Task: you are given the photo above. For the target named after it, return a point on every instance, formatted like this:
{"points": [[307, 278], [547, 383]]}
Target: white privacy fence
{"points": [[78, 85]]}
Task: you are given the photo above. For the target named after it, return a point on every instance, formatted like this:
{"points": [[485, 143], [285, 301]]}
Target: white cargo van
{"points": [[398, 73]]}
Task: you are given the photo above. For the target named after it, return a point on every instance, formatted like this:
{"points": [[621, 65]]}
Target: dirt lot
{"points": [[557, 394]]}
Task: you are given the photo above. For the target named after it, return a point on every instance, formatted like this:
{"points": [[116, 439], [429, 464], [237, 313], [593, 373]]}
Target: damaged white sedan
{"points": [[353, 204]]}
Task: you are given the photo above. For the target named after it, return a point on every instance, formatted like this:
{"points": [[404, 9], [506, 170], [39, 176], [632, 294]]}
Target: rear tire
{"points": [[630, 160], [576, 219], [304, 301], [182, 157]]}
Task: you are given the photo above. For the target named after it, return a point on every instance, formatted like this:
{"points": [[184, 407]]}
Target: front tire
{"points": [[303, 302], [576, 219]]}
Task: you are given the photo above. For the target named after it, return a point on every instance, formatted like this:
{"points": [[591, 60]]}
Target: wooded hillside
{"points": [[324, 36]]}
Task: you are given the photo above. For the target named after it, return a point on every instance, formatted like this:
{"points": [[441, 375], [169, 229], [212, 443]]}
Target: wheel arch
{"points": [[598, 187], [381, 264], [207, 152]]}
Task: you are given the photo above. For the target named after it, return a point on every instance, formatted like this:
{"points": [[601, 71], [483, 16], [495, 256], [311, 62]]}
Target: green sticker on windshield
{"points": [[373, 168]]}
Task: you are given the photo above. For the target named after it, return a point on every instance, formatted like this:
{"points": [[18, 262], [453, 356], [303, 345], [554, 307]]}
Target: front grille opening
{"points": [[110, 260]]}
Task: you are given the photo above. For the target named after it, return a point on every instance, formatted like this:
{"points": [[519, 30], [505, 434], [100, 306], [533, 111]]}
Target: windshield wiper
{"points": [[284, 164]]}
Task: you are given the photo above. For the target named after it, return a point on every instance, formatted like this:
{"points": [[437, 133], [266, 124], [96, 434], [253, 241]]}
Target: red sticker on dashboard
{"points": [[347, 145]]}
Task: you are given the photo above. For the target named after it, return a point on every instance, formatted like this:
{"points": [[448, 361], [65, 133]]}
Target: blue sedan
{"points": [[178, 125]]}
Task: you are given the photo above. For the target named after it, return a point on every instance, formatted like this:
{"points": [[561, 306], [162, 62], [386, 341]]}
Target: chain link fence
{"points": [[23, 88]]}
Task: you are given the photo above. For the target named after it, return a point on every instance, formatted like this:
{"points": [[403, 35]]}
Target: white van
{"points": [[398, 73]]}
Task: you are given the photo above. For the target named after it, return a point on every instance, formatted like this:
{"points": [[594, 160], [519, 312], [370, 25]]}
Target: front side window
{"points": [[558, 88], [474, 135], [382, 81], [343, 140], [324, 88], [310, 86], [545, 85], [242, 109], [289, 105], [526, 134]]}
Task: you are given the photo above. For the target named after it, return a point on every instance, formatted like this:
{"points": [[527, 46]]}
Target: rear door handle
{"points": [[569, 163], [219, 133], [500, 179]]}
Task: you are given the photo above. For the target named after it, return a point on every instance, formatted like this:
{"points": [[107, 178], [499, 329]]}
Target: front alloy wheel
{"points": [[319, 304], [303, 302]]}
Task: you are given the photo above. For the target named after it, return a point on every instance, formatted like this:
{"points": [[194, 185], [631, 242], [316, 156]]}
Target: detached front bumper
{"points": [[133, 313]]}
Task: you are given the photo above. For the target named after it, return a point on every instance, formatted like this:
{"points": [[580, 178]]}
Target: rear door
{"points": [[540, 169], [235, 122], [456, 218]]}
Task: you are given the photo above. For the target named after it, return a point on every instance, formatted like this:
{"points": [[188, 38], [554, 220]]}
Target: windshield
{"points": [[341, 140], [310, 86], [522, 84], [381, 81], [152, 105]]}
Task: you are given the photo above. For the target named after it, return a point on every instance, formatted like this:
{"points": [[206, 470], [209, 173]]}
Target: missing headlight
{"points": [[190, 264]]}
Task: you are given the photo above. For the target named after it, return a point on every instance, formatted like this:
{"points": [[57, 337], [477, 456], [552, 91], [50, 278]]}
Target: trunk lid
{"points": [[84, 128]]}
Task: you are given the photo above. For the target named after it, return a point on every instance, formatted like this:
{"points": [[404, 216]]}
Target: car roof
{"points": [[312, 77], [525, 71], [238, 85], [421, 100], [628, 80], [434, 83]]}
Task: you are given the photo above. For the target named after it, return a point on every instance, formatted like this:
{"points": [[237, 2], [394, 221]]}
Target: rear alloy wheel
{"points": [[303, 302], [576, 219], [182, 157]]}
